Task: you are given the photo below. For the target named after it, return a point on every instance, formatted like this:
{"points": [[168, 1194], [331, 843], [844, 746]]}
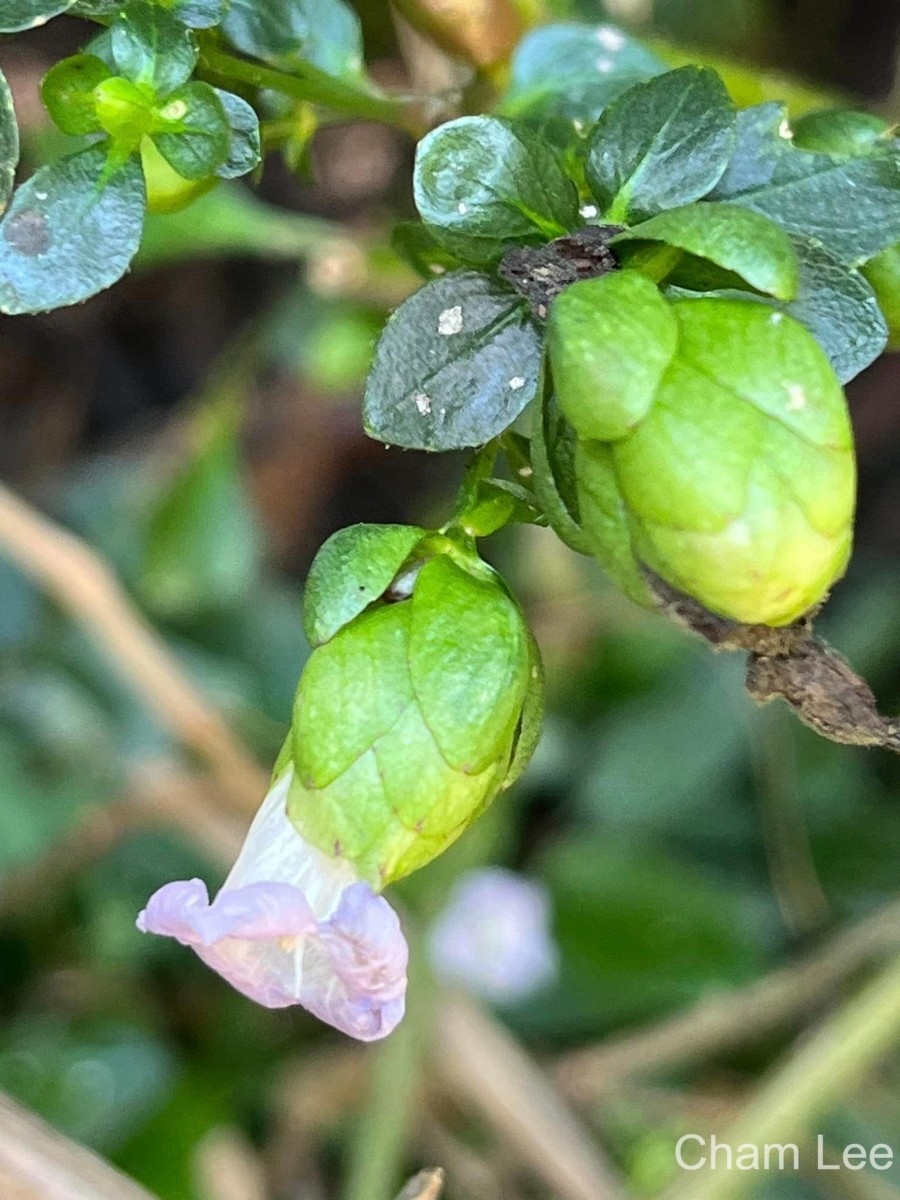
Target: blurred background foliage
{"points": [[200, 426]]}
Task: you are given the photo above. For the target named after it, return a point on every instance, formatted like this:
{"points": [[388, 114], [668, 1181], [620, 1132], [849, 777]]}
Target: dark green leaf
{"points": [[244, 150], [325, 33], [29, 14], [600, 63], [469, 662], [455, 366], [662, 144], [68, 93], [9, 143], [553, 444], [418, 246], [851, 206], [733, 238], [151, 47], [351, 570], [191, 131], [485, 185], [837, 304], [70, 231], [841, 131]]}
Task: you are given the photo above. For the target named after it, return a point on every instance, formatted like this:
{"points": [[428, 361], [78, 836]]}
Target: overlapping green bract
{"points": [[727, 468], [420, 701]]}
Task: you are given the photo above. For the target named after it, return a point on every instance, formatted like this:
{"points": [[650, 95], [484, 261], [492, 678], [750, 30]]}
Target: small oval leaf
{"points": [[662, 144], [70, 231], [456, 364]]}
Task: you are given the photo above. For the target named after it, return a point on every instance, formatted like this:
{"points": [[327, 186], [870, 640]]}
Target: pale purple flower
{"points": [[292, 926], [493, 936]]}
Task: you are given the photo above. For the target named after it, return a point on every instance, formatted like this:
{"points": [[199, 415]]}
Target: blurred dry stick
{"points": [[483, 1067], [37, 1163], [427, 1185], [824, 1067], [84, 586], [734, 1019]]}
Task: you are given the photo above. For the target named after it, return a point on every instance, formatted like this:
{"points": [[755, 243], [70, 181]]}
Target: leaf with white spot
{"points": [[851, 206], [601, 62], [456, 364], [484, 186], [9, 143], [70, 231]]}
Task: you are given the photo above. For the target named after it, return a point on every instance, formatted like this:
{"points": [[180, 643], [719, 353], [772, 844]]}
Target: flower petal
{"points": [[261, 932], [366, 944]]}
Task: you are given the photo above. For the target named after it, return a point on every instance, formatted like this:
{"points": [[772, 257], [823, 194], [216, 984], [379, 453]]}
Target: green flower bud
{"points": [[713, 446], [420, 701], [123, 110]]}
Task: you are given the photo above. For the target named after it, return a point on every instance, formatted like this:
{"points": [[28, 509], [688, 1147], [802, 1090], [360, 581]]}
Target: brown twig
{"points": [[793, 664], [37, 1163], [736, 1019], [83, 585]]}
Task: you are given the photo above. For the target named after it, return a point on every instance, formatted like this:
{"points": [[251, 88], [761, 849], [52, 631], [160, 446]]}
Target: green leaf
{"points": [[9, 143], [850, 205], [553, 448], [68, 93], [151, 47], [733, 238], [601, 62], [455, 365], [739, 484], [325, 33], [610, 342], [662, 144], [469, 662], [418, 246], [201, 14], [495, 504], [841, 132], [70, 231], [244, 147], [16, 15], [883, 274], [838, 306], [484, 186], [352, 569], [191, 131]]}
